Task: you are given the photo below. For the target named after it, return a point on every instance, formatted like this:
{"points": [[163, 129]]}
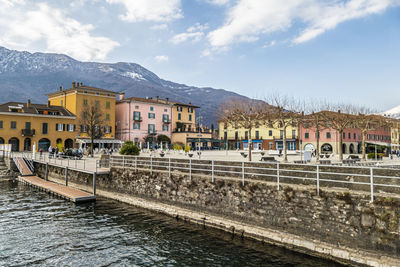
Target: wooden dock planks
{"points": [[22, 167], [72, 194]]}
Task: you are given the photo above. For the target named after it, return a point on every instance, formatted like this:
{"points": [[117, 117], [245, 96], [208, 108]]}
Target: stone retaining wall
{"points": [[351, 228]]}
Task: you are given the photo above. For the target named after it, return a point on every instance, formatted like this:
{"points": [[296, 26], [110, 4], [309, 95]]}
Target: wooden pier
{"points": [[63, 191]]}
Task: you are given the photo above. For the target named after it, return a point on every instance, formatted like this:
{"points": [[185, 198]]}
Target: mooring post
{"points": [[212, 171], [66, 176], [318, 180], [135, 164], [243, 173], [277, 174], [190, 169], [372, 184], [94, 183], [47, 172], [151, 165]]}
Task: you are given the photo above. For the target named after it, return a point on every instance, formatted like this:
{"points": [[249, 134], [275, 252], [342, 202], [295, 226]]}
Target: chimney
{"points": [[48, 103], [190, 103], [28, 104], [81, 84], [73, 84], [157, 98], [60, 88], [121, 96], [166, 100]]}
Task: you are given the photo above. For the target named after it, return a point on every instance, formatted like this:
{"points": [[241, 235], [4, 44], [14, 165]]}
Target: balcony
{"points": [[28, 132], [138, 119]]}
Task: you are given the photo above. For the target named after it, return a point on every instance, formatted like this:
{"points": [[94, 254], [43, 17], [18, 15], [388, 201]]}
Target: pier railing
{"points": [[369, 179]]}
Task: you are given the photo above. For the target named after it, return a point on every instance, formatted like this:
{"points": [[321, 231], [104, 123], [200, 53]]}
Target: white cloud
{"points": [[270, 44], [218, 2], [248, 19], [161, 58], [150, 10], [25, 25], [194, 33]]}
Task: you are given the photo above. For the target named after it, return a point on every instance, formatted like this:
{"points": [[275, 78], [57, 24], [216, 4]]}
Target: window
{"points": [[85, 102], [97, 103], [136, 116], [367, 136], [165, 117], [108, 105], [27, 125], [316, 135], [136, 125], [107, 117], [293, 134], [179, 108], [60, 127], [354, 136], [236, 135], [190, 109], [152, 115], [270, 132], [151, 129], [179, 116], [246, 135], [270, 146], [107, 129], [306, 135], [165, 110], [344, 135], [136, 107], [328, 135], [44, 128], [281, 133], [84, 128], [349, 135], [70, 127], [151, 108], [97, 94], [165, 127], [13, 125], [1, 124], [190, 117], [257, 135]]}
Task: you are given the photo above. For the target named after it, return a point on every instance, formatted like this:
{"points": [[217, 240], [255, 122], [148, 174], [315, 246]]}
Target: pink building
{"points": [[137, 118], [351, 143]]}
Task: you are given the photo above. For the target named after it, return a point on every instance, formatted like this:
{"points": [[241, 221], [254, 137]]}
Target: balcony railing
{"points": [[137, 118], [28, 132], [166, 121]]}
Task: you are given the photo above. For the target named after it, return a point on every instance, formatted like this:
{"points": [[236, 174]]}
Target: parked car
{"points": [[71, 153]]}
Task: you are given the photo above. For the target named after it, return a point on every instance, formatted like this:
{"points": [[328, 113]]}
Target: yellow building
{"points": [[185, 128], [24, 124], [79, 96], [263, 137], [59, 122]]}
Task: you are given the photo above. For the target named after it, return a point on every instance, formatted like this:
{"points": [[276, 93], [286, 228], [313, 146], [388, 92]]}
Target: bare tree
{"points": [[284, 112], [339, 121], [92, 122], [243, 114]]}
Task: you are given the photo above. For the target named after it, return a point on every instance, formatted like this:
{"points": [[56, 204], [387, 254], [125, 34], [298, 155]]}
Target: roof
{"points": [[35, 108], [84, 88], [157, 101]]}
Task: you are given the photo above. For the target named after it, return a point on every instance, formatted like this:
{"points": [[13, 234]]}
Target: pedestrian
{"points": [[57, 150], [50, 151], [41, 152], [280, 152]]}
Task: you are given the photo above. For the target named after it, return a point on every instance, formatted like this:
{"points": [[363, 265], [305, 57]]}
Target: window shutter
{"points": [[63, 127]]}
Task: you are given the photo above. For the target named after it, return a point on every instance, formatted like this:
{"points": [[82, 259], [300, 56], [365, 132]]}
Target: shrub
{"points": [[187, 148], [177, 147], [372, 155], [128, 148]]}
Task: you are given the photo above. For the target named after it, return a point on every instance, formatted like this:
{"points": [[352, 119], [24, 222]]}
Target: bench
{"points": [[354, 157], [300, 161], [268, 159], [325, 162]]}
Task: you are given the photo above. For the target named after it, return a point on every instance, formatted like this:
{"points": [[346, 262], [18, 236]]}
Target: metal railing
{"points": [[367, 179]]}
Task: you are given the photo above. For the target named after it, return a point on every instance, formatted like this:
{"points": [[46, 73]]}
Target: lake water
{"points": [[37, 229]]}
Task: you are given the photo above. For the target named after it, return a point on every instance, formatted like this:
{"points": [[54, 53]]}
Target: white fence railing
{"points": [[368, 179]]}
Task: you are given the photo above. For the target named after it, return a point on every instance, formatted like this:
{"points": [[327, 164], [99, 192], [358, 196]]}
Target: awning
{"points": [[99, 141], [253, 141], [378, 143]]}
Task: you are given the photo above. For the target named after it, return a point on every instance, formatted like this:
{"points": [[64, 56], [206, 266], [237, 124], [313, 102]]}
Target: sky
{"points": [[336, 50]]}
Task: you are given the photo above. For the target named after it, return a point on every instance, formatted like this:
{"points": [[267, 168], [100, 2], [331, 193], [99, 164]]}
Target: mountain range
{"points": [[25, 75]]}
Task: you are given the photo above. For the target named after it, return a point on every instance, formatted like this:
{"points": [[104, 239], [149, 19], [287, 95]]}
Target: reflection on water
{"points": [[37, 229]]}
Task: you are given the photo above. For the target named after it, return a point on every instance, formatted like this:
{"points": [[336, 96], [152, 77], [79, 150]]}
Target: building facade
{"points": [[26, 125], [138, 118], [263, 137], [79, 97]]}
